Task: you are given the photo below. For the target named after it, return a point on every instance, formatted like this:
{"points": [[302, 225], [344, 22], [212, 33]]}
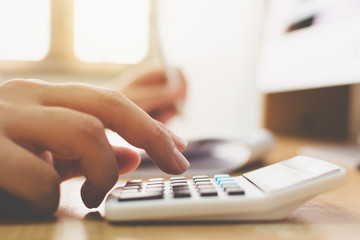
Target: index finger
{"points": [[122, 116]]}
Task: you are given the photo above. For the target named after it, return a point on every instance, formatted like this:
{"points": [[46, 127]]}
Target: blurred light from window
{"points": [[111, 30], [24, 29]]}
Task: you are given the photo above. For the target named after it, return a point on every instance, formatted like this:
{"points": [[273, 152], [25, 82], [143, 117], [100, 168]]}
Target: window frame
{"points": [[61, 58]]}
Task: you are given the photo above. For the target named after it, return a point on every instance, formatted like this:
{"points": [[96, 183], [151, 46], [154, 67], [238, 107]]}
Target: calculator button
{"points": [[207, 188], [177, 178], [156, 180], [134, 181], [129, 191], [205, 192], [204, 184], [131, 187], [234, 191], [178, 181], [159, 188], [155, 186], [201, 180], [221, 176], [179, 185], [181, 188], [182, 193], [200, 177], [141, 196], [227, 184], [154, 190], [155, 183], [228, 187], [132, 184], [222, 180]]}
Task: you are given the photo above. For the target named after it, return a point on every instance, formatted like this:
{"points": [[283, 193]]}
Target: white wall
{"points": [[216, 43]]}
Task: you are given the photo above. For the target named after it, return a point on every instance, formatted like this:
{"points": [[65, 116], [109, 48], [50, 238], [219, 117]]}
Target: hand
{"points": [[148, 87], [52, 132]]}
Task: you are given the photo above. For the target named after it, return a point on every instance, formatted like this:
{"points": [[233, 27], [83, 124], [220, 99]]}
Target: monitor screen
{"points": [[310, 44]]}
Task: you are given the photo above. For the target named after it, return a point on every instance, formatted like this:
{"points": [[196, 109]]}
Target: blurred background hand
{"points": [[149, 87]]}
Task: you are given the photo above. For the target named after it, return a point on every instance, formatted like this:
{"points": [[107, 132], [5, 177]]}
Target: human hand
{"points": [[52, 132], [148, 86]]}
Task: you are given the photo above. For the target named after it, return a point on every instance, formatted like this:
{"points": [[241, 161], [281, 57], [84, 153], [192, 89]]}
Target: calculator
{"points": [[268, 193]]}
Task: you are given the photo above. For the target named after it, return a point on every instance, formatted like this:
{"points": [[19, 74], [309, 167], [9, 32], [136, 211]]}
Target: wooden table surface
{"points": [[333, 215]]}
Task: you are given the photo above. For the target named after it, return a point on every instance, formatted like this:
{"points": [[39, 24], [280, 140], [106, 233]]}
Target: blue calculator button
{"points": [[219, 180], [221, 176], [227, 183]]}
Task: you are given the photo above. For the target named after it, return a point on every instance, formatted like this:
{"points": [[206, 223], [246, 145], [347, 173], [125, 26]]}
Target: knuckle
{"points": [[19, 84], [113, 97], [159, 131], [111, 92], [161, 137], [161, 134], [13, 83]]}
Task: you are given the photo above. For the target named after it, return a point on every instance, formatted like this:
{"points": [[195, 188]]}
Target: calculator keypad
{"points": [[179, 187]]}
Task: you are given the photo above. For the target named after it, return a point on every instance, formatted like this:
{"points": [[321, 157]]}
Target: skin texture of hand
{"points": [[52, 132], [149, 88]]}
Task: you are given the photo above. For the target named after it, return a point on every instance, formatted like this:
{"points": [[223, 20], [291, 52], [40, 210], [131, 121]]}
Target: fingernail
{"points": [[179, 141], [91, 197], [181, 160]]}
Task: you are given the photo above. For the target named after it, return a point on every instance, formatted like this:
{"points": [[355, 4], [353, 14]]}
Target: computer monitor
{"points": [[311, 44]]}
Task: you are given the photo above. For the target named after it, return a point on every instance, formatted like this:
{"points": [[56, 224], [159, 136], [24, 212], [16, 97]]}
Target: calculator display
{"points": [[288, 174]]}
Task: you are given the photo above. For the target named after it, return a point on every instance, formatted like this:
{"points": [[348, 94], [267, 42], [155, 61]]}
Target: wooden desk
{"points": [[333, 215]]}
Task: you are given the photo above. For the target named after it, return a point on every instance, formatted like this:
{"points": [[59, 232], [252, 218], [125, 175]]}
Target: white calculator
{"points": [[268, 193]]}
